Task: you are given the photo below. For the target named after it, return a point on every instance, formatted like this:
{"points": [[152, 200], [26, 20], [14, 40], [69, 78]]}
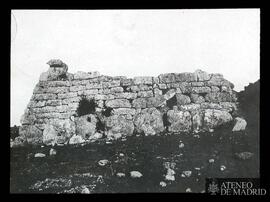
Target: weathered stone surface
{"points": [[145, 94], [167, 78], [195, 98], [197, 84], [119, 111], [218, 80], [56, 63], [58, 131], [168, 95], [156, 101], [28, 117], [215, 89], [49, 135], [182, 99], [47, 96], [143, 80], [86, 125], [184, 87], [31, 133], [179, 120], [111, 84], [126, 82], [76, 139], [185, 77], [149, 121], [66, 95], [157, 92], [240, 124], [197, 122], [135, 174], [219, 97], [126, 95], [83, 75], [117, 90], [202, 75], [203, 89], [118, 125], [139, 103], [214, 118], [189, 107], [57, 71], [118, 103], [57, 95]]}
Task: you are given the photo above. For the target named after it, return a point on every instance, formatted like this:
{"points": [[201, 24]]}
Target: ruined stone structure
{"points": [[172, 102]]}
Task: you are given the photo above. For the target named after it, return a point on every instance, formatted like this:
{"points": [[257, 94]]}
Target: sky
{"points": [[132, 43]]}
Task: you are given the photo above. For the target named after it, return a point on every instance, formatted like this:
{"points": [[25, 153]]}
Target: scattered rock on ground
{"points": [[85, 190], [103, 162], [240, 124], [120, 174], [187, 173], [40, 155], [52, 152], [188, 190], [135, 174], [163, 184], [244, 155], [222, 168]]}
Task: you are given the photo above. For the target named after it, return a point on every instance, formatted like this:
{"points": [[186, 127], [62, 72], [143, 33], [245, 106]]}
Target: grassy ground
{"points": [[75, 167]]}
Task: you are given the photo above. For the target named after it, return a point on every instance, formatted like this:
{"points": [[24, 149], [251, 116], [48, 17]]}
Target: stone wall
{"points": [[173, 102]]}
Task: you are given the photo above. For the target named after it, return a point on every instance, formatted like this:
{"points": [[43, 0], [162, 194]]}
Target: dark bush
{"points": [[86, 106], [107, 111], [172, 102], [14, 132]]}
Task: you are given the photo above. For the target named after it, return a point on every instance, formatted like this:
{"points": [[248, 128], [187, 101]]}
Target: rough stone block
{"points": [[118, 103]]}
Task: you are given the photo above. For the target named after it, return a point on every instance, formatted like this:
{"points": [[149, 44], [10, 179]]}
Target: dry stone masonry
{"points": [[173, 102]]}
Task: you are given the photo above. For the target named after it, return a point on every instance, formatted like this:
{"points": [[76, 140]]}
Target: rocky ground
{"points": [[165, 163]]}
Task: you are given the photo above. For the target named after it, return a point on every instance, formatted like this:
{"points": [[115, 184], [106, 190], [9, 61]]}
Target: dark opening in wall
{"points": [[164, 91], [63, 77], [14, 132], [100, 126], [107, 111], [166, 123], [86, 106], [203, 94], [172, 102], [125, 88]]}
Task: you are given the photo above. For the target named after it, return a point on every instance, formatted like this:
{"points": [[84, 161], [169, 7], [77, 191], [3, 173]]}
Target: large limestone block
{"points": [[240, 124], [182, 99], [214, 118], [179, 120], [220, 97], [139, 103], [86, 125], [149, 121], [185, 77], [118, 103], [118, 126], [58, 131], [202, 75], [31, 133], [85, 75], [167, 78], [156, 101], [195, 98], [197, 121], [143, 80]]}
